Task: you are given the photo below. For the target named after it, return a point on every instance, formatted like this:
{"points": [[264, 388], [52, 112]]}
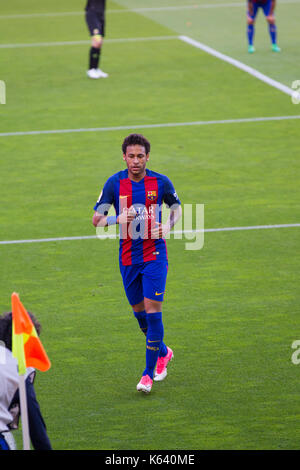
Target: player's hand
{"points": [[127, 216], [160, 231]]}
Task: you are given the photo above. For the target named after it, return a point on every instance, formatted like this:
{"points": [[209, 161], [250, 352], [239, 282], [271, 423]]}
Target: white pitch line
{"points": [[196, 7], [236, 63], [240, 65], [103, 237], [85, 42], [151, 126], [137, 10]]}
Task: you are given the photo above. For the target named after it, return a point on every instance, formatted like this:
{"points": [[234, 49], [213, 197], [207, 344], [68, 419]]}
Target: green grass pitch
{"points": [[231, 311]]}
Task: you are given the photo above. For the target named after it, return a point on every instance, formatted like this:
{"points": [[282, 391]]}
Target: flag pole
{"points": [[24, 412]]}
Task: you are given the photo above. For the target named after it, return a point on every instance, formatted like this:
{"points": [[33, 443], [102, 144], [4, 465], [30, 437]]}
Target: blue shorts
{"points": [[265, 6], [145, 280]]}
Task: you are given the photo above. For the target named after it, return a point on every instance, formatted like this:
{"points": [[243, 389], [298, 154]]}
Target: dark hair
{"points": [[6, 328], [136, 139]]}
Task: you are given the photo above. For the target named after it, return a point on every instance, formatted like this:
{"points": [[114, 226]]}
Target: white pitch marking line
{"points": [[150, 126], [92, 237], [240, 65], [186, 39], [85, 42], [138, 10], [195, 7]]}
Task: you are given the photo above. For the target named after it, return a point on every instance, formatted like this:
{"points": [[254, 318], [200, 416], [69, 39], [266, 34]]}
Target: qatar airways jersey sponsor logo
{"points": [[154, 221], [144, 213], [144, 221]]}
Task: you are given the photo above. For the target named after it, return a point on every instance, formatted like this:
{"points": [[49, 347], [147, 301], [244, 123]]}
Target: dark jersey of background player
{"points": [[95, 19], [97, 5], [147, 196]]}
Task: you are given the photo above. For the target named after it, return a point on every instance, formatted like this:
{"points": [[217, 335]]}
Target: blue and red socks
{"points": [[142, 321], [154, 341], [250, 34], [273, 33], [152, 326], [143, 324]]}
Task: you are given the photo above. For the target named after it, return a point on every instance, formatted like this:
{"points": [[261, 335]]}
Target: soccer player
{"points": [[268, 7], [137, 194], [95, 18]]}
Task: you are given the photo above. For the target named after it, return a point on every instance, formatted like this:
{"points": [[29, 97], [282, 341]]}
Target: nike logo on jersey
{"points": [[159, 293]]}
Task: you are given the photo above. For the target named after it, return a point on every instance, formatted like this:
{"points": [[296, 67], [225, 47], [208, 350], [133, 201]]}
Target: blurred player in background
{"points": [[137, 195], [95, 19], [268, 7], [9, 393]]}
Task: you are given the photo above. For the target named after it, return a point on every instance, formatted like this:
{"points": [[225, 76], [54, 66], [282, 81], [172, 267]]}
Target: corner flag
{"points": [[26, 345], [29, 352]]}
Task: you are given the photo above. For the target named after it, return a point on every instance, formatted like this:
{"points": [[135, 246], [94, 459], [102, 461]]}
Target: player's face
{"points": [[136, 160]]}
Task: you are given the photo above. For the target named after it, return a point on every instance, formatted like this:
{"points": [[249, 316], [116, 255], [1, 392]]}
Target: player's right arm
{"points": [[103, 204], [105, 200], [126, 217], [99, 220]]}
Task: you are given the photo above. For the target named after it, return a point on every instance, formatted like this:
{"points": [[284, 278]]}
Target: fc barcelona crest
{"points": [[151, 195]]}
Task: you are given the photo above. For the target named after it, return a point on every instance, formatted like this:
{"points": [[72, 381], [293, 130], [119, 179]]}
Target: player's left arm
{"points": [[172, 200], [161, 230]]}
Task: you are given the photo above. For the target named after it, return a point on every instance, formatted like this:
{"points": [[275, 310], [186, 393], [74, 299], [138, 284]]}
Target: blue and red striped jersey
{"points": [[147, 197]]}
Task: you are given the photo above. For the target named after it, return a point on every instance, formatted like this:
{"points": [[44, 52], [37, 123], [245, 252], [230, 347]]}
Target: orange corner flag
{"points": [[26, 345]]}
